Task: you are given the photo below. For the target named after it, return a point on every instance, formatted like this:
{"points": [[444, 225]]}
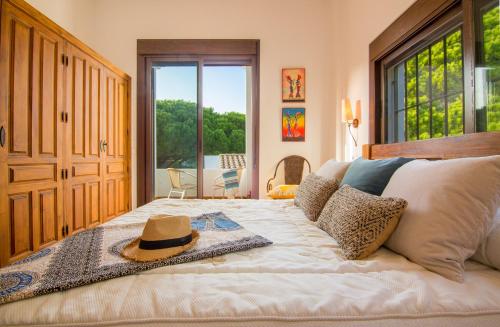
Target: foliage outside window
{"points": [[425, 92], [487, 73], [176, 130]]}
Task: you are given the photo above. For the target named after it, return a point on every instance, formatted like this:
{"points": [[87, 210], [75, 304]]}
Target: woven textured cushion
{"points": [[360, 222], [451, 206], [283, 192], [372, 176], [313, 193]]}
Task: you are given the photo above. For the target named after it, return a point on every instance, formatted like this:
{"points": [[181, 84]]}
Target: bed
{"points": [[300, 280]]}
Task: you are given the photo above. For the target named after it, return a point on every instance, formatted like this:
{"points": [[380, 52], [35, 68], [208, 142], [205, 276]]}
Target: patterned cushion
{"points": [[283, 192], [360, 222], [313, 193]]}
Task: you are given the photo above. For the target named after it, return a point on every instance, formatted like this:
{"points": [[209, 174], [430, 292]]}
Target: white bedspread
{"points": [[300, 280]]}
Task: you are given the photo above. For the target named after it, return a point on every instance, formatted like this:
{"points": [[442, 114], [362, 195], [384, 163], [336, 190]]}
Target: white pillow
{"points": [[333, 169], [451, 205], [488, 252]]}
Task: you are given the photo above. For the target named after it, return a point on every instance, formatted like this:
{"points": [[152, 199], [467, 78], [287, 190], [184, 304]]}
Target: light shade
{"points": [[357, 111], [346, 110]]}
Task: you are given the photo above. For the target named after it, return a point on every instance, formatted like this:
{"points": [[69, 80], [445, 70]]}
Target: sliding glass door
{"points": [[202, 139], [175, 107], [226, 130]]}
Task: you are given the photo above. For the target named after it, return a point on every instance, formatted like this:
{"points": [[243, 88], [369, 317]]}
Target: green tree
{"points": [[176, 133], [491, 52]]}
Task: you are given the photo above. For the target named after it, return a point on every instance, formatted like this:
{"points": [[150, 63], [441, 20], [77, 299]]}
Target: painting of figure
{"points": [[293, 124], [293, 84]]}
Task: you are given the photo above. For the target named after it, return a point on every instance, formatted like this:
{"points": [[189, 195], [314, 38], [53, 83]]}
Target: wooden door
{"points": [[31, 206], [83, 187], [116, 134]]}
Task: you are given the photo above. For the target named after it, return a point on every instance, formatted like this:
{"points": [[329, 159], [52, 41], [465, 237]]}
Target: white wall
{"points": [[328, 37], [75, 16], [355, 28]]}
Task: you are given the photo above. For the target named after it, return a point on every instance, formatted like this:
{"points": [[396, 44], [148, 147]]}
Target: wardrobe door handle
{"points": [[104, 145], [2, 136]]}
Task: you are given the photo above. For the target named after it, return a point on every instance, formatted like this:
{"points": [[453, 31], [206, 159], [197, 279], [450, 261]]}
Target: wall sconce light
{"points": [[349, 119]]}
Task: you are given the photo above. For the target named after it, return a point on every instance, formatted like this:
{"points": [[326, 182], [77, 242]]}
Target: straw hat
{"points": [[163, 236]]}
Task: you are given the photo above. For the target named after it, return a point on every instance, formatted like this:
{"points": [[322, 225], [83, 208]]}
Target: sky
{"points": [[224, 87]]}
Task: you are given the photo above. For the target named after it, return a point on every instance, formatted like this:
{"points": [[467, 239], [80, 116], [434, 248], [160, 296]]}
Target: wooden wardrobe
{"points": [[64, 134]]}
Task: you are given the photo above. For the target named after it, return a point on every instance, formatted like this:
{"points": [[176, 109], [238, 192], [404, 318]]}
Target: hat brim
{"points": [[133, 252]]}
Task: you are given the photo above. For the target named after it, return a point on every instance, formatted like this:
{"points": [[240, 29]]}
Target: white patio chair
{"points": [[176, 180]]}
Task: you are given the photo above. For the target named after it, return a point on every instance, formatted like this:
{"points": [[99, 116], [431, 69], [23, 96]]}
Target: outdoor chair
{"points": [[176, 180], [228, 180]]}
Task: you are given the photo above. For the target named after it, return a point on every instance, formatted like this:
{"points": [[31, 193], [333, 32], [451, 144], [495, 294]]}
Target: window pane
{"points": [[411, 82], [437, 69], [412, 123], [488, 68], [423, 121], [401, 126], [454, 69], [423, 76], [455, 114], [438, 118], [391, 95], [400, 86]]}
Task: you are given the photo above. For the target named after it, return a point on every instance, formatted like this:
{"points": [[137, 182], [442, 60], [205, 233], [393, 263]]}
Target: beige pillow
{"points": [[360, 222], [333, 169], [313, 193], [488, 252], [451, 204]]}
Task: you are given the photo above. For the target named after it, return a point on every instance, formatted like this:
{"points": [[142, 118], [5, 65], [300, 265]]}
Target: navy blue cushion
{"points": [[371, 176]]}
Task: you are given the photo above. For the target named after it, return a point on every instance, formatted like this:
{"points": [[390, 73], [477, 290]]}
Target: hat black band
{"points": [[164, 244]]}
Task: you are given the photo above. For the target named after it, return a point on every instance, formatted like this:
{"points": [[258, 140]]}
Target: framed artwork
{"points": [[293, 84], [293, 124]]}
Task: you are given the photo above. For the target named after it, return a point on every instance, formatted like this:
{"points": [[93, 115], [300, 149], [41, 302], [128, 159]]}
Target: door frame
{"points": [[205, 52]]}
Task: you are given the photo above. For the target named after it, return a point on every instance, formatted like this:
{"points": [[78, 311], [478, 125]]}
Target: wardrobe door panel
{"points": [[110, 96], [110, 199], [48, 216], [83, 93], [116, 153], [121, 119], [94, 110], [77, 102], [94, 203], [20, 85], [78, 222], [21, 227], [48, 96], [31, 100]]}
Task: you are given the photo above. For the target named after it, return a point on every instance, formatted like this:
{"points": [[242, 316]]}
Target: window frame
{"points": [[450, 22], [423, 19]]}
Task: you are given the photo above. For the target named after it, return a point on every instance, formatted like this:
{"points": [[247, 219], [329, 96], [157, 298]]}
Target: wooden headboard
{"points": [[468, 145]]}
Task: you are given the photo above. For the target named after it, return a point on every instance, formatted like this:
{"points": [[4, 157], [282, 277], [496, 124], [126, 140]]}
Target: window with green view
{"points": [[424, 94], [487, 72]]}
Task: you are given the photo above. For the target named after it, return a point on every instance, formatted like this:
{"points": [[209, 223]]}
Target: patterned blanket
{"points": [[94, 255]]}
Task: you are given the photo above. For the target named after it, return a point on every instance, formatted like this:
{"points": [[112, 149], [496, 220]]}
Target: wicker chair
{"points": [[294, 168]]}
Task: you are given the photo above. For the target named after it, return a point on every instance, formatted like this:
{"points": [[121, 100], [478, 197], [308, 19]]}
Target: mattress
{"points": [[300, 280]]}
